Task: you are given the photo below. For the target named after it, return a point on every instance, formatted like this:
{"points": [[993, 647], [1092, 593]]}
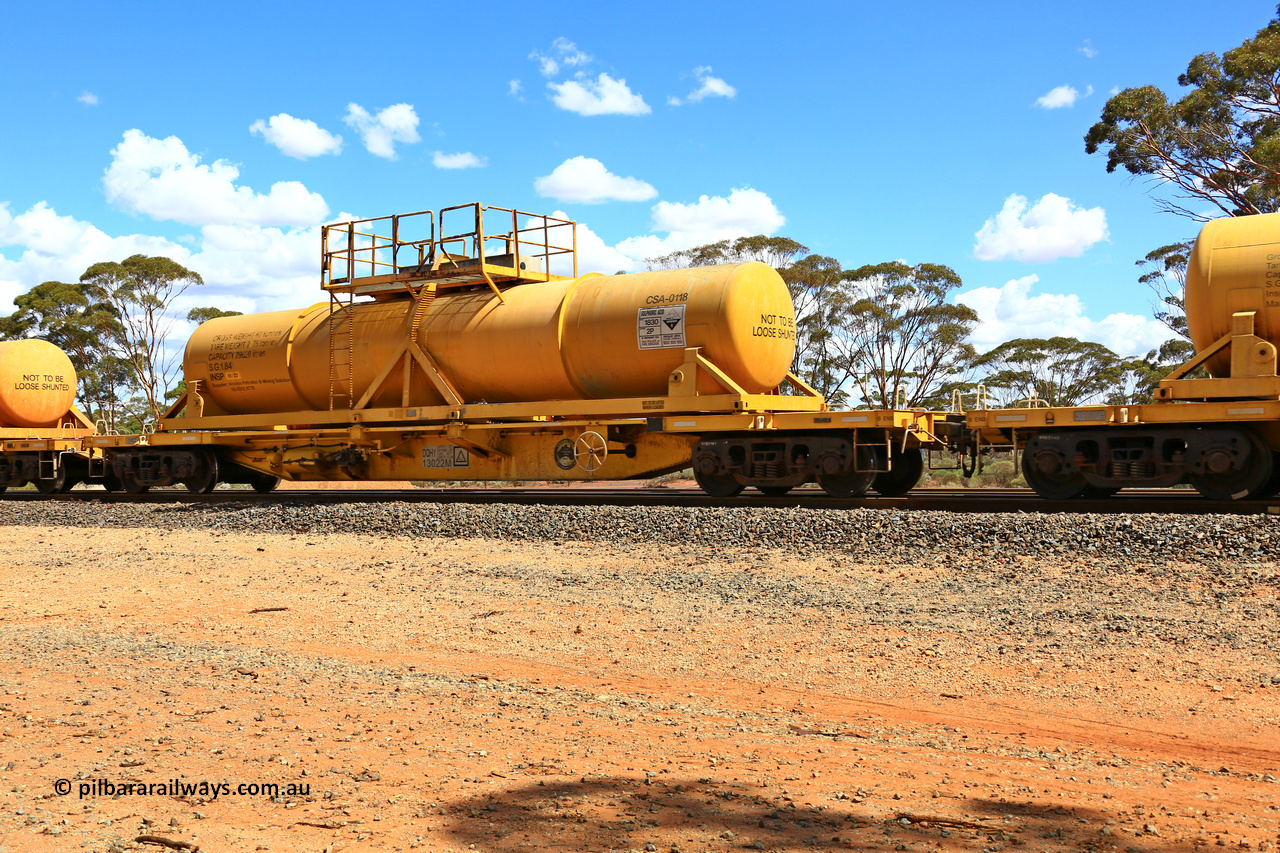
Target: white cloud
{"points": [[61, 248], [546, 65], [245, 267], [710, 87], [1088, 49], [745, 210], [461, 160], [673, 101], [594, 254], [564, 53], [297, 137], [603, 96], [1009, 312], [514, 88], [160, 178], [88, 99], [585, 180], [381, 132], [1061, 96], [710, 218], [252, 268], [1052, 228]]}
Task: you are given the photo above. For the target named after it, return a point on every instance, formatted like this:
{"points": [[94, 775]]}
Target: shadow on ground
{"points": [[613, 813]]}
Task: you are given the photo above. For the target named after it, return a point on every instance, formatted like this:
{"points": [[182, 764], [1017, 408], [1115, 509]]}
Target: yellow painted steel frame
{"points": [[73, 437], [614, 449], [1253, 368], [28, 445], [525, 441], [999, 426], [505, 412], [913, 428], [73, 426]]}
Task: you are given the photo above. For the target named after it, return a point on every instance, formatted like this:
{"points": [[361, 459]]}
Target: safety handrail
{"points": [[362, 248]]}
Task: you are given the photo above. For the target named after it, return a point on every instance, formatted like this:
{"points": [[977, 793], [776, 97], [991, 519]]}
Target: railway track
{"points": [[1167, 501]]}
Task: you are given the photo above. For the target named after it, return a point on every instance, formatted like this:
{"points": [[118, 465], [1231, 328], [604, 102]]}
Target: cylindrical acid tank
{"points": [[1234, 266], [592, 337], [37, 384]]}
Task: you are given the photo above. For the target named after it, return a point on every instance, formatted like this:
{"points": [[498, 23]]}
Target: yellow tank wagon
{"points": [[1220, 434], [41, 431], [461, 356]]}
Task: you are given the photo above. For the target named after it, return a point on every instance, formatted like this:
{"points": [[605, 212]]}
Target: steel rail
{"points": [[1137, 501]]}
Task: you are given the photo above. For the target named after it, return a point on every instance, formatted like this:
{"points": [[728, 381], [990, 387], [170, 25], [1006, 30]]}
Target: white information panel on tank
{"points": [[658, 328]]}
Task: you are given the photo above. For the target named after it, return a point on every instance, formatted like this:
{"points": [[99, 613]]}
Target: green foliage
{"points": [[1165, 273], [1220, 143], [777, 252], [204, 315], [1061, 371], [997, 473], [905, 340], [817, 290], [885, 331], [1141, 376], [140, 290], [76, 318]]}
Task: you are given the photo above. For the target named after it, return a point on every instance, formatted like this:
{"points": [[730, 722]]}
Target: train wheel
{"points": [[3, 489], [907, 466], [59, 484], [133, 487], [264, 483], [206, 478], [852, 484], [1273, 485], [1049, 481], [111, 482], [774, 491], [1227, 483], [718, 485]]}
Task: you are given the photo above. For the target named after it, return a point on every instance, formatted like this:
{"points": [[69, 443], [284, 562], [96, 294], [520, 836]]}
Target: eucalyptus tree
{"points": [[1218, 146], [1062, 371], [75, 317], [141, 290], [901, 339]]}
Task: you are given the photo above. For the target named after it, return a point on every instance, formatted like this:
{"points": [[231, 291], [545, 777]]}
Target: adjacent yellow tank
{"points": [[1235, 266], [592, 337], [37, 384]]}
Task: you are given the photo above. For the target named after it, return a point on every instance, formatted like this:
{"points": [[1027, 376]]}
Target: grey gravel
{"points": [[887, 536]]}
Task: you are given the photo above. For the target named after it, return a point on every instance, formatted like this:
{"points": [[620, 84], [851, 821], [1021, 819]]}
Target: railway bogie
{"points": [[776, 453], [1226, 451]]}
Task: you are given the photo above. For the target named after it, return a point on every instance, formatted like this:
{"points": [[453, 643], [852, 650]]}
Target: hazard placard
{"points": [[658, 328]]}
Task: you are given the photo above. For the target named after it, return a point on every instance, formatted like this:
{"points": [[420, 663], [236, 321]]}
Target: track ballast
{"points": [[1138, 501]]}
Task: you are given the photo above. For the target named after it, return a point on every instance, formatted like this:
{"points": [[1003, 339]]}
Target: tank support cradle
{"points": [[1253, 368]]}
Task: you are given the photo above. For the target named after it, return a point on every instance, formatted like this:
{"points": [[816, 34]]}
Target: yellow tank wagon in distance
{"points": [[449, 352], [41, 431], [1221, 434]]}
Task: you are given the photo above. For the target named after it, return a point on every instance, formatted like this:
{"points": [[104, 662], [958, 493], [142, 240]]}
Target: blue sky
{"points": [[928, 132]]}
